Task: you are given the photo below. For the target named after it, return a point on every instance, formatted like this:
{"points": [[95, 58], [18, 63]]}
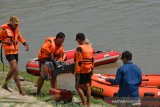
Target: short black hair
{"points": [[80, 36], [127, 55], [60, 35]]}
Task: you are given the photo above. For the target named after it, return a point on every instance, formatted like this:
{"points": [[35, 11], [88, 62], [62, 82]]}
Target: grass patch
{"points": [[33, 79], [46, 87], [2, 73], [6, 68], [46, 98], [28, 77]]}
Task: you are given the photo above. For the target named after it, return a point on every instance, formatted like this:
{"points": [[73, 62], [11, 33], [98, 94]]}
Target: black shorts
{"points": [[84, 78], [11, 57]]}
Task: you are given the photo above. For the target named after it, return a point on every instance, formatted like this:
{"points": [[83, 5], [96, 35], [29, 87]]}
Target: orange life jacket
{"points": [[46, 49], [14, 37], [84, 60]]}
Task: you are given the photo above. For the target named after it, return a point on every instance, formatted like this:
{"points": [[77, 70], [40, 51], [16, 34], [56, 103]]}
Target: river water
{"points": [[121, 25]]}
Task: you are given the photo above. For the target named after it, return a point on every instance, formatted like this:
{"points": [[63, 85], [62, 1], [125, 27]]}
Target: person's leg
{"points": [[88, 93], [16, 79], [16, 76], [54, 83], [79, 89], [80, 93], [39, 84], [9, 75], [87, 85], [82, 86]]}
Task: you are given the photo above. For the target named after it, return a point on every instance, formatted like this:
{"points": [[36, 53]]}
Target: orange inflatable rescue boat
{"points": [[100, 87], [100, 57], [147, 79]]}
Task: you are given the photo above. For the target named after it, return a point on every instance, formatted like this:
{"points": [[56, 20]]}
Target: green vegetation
{"points": [[45, 97], [30, 78], [31, 90], [6, 67]]}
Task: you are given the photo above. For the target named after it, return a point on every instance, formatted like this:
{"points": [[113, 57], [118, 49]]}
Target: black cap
{"points": [[126, 54], [80, 36]]}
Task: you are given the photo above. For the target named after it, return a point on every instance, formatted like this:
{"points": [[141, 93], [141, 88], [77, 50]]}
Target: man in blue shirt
{"points": [[128, 77]]}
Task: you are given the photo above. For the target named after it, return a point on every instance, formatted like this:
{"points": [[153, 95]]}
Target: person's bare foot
{"points": [[6, 88], [22, 93], [84, 104], [88, 104]]}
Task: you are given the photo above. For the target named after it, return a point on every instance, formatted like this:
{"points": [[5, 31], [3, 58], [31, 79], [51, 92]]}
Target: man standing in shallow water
{"points": [[10, 35]]}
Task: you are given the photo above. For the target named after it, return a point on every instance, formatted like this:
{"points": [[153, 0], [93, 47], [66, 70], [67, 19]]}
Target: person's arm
{"points": [[117, 79], [64, 56], [61, 56], [23, 41], [139, 76], [78, 55]]}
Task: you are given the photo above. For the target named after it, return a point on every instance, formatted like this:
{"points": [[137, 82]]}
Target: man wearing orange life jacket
{"points": [[51, 49], [83, 68], [10, 35]]}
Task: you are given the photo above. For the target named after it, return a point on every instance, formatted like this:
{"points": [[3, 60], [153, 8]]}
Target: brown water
{"points": [[132, 25]]}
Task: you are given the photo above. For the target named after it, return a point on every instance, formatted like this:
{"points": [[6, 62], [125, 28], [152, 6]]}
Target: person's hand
{"points": [[51, 56], [107, 79], [63, 59], [27, 47]]}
